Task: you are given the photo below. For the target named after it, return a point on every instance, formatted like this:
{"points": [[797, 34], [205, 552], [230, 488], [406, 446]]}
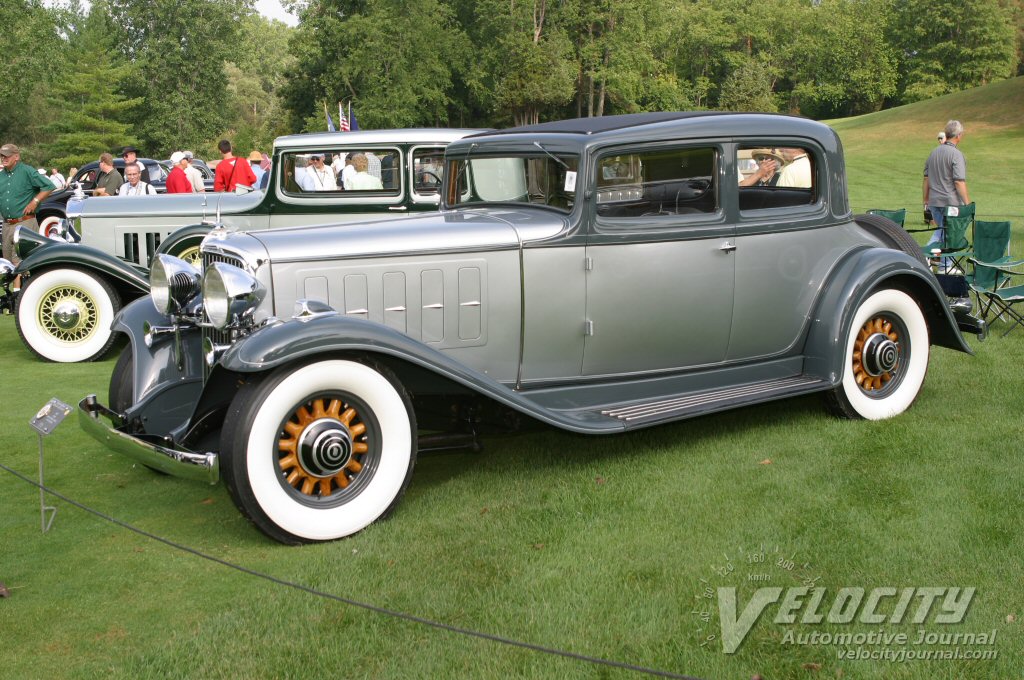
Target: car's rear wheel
{"points": [[65, 315], [319, 452], [891, 234], [885, 358]]}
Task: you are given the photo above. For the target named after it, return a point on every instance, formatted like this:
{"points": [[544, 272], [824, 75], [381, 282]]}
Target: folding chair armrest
{"points": [[1003, 264]]}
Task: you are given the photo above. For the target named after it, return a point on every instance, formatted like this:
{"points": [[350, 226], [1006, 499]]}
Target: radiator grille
{"points": [[217, 337]]}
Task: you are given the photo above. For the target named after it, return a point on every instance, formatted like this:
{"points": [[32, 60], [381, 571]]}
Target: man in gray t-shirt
{"points": [[945, 178]]}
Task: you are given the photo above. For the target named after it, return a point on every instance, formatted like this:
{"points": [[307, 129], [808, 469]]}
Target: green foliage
{"points": [[952, 46], [394, 60], [90, 113], [179, 48], [254, 75], [32, 48], [749, 88]]}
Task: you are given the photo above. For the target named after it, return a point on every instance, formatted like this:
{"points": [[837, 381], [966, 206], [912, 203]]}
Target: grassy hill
{"points": [[885, 152]]}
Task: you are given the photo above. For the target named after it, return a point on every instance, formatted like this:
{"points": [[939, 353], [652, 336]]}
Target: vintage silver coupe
{"points": [[595, 275], [71, 291]]}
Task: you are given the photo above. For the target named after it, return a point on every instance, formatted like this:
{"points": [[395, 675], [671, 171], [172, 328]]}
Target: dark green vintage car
{"points": [[597, 275], [72, 291]]}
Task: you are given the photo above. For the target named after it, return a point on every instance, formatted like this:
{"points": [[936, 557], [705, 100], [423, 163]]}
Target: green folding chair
{"points": [[994, 270], [955, 247], [897, 216]]}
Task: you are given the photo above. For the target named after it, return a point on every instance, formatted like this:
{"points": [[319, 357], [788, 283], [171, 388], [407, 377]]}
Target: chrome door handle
{"points": [[397, 207], [727, 247]]}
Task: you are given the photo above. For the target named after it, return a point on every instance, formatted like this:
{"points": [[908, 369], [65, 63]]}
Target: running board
{"points": [[697, 403]]}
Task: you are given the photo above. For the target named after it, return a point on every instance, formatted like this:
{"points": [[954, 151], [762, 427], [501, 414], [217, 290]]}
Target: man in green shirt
{"points": [[22, 189], [109, 179]]}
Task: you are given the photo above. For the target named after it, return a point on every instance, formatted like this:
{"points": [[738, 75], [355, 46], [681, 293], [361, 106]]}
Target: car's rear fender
{"points": [[860, 274]]}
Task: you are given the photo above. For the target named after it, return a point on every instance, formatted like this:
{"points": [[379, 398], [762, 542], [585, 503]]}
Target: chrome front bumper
{"points": [[100, 423]]}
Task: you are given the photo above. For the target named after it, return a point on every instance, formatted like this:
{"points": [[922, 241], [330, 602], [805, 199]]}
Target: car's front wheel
{"points": [[65, 315], [885, 358], [319, 452]]}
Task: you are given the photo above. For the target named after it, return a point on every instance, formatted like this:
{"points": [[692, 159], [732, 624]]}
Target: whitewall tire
{"points": [[65, 315], [885, 358], [320, 451]]}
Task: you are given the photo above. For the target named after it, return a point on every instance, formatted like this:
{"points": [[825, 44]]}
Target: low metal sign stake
{"points": [[46, 421]]}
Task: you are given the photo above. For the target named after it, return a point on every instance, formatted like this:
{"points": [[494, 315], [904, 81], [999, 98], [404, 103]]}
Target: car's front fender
{"points": [[84, 257], [859, 275], [166, 380], [301, 340]]}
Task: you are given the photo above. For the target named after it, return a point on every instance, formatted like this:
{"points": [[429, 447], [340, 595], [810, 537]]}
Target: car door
{"points": [[786, 244], [660, 265]]}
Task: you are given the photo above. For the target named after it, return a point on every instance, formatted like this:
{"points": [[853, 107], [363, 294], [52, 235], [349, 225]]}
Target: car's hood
{"points": [[460, 230], [196, 205]]}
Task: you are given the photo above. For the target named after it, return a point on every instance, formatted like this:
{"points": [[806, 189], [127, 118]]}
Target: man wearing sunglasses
{"points": [[22, 189], [319, 176]]}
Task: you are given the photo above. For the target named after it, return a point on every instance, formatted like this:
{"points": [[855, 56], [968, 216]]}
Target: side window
{"points": [[677, 181], [775, 177], [342, 171], [427, 170]]}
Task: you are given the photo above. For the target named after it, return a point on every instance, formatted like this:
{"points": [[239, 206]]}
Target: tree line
{"points": [[177, 74]]}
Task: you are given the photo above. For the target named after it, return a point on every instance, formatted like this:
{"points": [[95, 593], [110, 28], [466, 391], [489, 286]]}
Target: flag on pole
{"points": [[330, 123], [352, 118], [342, 120]]}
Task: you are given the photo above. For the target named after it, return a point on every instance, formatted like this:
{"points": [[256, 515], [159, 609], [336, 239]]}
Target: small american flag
{"points": [[342, 120]]}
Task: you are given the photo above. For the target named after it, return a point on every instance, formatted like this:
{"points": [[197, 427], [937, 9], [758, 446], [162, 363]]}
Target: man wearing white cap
{"points": [[177, 180], [193, 174]]}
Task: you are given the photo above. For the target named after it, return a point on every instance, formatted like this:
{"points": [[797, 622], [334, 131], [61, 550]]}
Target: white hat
{"points": [[42, 171], [177, 157]]}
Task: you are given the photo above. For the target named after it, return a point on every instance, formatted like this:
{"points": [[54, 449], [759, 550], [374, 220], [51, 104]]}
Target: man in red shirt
{"points": [[232, 171], [177, 180]]}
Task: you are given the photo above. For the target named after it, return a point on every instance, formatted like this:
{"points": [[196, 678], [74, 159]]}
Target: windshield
{"points": [[540, 180]]}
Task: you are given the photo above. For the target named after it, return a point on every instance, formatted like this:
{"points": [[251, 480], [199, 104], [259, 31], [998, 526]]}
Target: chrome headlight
{"points": [[27, 240], [229, 293], [173, 283]]}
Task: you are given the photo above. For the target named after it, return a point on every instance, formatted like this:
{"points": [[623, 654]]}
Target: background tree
{"points": [[949, 46], [393, 59], [89, 114], [33, 44], [179, 48], [255, 76]]}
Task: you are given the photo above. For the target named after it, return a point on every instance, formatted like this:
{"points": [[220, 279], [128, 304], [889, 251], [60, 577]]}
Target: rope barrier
{"points": [[356, 603]]}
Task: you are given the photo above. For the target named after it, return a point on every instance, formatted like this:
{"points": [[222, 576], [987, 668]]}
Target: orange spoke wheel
{"points": [[323, 448], [876, 354]]}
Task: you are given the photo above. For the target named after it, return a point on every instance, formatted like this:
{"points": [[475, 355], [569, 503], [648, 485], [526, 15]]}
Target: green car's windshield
{"points": [[535, 179]]}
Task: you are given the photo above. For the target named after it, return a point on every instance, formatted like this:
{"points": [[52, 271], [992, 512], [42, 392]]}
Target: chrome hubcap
{"points": [[67, 314], [325, 448], [880, 354]]}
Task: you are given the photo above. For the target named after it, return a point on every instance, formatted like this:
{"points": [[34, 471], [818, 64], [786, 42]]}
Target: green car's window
{"points": [[774, 176], [427, 170], [676, 181], [341, 171]]}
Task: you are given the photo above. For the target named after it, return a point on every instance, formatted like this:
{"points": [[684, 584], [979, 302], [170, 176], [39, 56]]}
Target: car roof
{"points": [[411, 135], [576, 134]]}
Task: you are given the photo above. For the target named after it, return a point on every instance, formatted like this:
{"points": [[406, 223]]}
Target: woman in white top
{"points": [[362, 180]]}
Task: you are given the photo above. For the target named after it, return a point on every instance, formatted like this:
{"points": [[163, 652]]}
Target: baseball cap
{"points": [[188, 155], [177, 157], [9, 150]]}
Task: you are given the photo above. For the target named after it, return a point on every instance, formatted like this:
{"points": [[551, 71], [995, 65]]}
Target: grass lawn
{"points": [[599, 546]]}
